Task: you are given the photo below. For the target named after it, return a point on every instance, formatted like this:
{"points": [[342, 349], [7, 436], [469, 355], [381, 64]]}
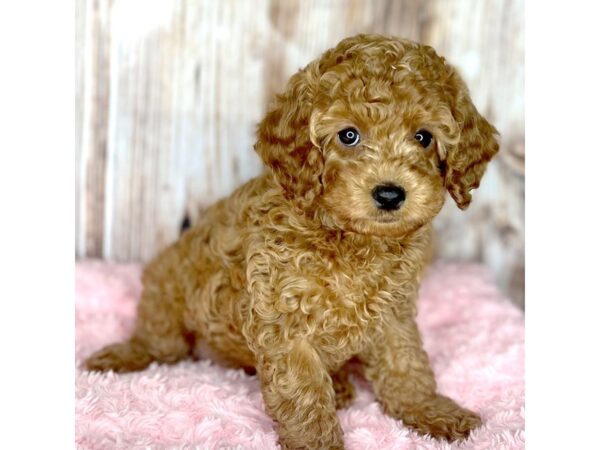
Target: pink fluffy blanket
{"points": [[474, 337]]}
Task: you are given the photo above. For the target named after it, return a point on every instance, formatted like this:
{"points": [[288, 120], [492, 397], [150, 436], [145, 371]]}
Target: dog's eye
{"points": [[424, 138], [349, 137]]}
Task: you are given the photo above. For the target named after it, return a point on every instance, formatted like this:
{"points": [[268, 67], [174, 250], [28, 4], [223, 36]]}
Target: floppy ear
{"points": [[284, 139], [466, 160]]}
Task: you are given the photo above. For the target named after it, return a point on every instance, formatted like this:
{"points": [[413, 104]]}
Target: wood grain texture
{"points": [[169, 93]]}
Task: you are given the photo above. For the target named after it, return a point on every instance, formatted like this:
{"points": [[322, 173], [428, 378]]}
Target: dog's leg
{"points": [[403, 382], [299, 395], [343, 388], [158, 336]]}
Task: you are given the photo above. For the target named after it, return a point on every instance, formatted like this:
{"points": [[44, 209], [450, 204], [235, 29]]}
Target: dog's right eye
{"points": [[349, 137], [424, 138]]}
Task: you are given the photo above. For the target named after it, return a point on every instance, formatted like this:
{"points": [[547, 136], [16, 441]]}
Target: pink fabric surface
{"points": [[474, 337]]}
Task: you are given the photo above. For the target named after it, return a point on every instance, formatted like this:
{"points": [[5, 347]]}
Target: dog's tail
{"points": [[185, 223]]}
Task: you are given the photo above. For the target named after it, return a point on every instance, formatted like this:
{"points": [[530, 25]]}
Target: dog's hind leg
{"points": [[125, 356], [159, 334]]}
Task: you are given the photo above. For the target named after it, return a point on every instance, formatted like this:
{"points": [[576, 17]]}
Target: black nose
{"points": [[388, 196]]}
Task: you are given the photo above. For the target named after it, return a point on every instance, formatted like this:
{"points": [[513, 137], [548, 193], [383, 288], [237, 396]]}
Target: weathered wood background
{"points": [[169, 93]]}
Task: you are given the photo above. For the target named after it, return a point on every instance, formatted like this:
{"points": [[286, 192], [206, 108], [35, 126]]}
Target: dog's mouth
{"points": [[383, 220], [386, 219]]}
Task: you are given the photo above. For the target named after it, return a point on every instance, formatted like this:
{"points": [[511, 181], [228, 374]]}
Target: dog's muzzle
{"points": [[388, 197]]}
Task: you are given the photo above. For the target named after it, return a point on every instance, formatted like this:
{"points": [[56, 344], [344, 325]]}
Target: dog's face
{"points": [[373, 134], [382, 172]]}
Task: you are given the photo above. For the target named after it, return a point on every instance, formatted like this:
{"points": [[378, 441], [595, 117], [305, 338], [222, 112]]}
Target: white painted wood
{"points": [[169, 93]]}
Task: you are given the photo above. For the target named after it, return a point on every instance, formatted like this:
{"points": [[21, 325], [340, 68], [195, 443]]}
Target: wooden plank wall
{"points": [[169, 93]]}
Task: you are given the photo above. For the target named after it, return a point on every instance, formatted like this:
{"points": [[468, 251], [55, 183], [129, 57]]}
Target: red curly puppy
{"points": [[318, 260]]}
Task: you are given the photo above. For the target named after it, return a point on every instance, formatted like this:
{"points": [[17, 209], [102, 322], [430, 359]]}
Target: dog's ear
{"points": [[466, 160], [284, 139]]}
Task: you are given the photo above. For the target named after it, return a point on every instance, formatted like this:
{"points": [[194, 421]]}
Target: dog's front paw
{"points": [[320, 443], [440, 417], [324, 434]]}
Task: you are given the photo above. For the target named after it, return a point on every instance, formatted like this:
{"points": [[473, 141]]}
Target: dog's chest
{"points": [[333, 293]]}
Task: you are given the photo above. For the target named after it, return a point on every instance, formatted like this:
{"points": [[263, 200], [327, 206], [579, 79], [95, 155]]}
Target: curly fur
{"points": [[297, 272]]}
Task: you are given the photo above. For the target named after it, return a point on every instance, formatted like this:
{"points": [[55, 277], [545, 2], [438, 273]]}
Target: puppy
{"points": [[318, 260]]}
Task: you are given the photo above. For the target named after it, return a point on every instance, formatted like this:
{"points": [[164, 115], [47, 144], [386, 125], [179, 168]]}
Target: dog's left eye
{"points": [[349, 137], [424, 138]]}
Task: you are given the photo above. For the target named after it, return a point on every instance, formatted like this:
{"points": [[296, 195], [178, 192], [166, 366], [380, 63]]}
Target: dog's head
{"points": [[373, 133]]}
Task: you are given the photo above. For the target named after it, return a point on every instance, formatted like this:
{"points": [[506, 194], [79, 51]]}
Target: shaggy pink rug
{"points": [[475, 340]]}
